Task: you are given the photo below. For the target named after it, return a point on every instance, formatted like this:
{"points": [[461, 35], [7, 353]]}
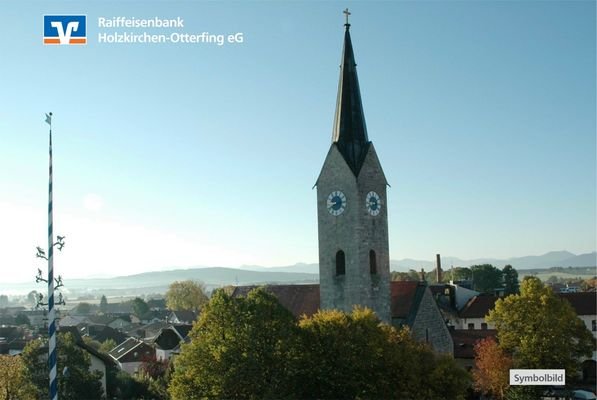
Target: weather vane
{"points": [[347, 13]]}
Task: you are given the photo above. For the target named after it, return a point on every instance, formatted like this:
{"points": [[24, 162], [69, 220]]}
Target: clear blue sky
{"points": [[482, 113]]}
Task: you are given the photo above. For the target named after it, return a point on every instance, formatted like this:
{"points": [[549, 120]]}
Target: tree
{"points": [[589, 284], [91, 342], [338, 356], [32, 297], [121, 385], [492, 366], [103, 305], [186, 295], [510, 276], [356, 356], [446, 379], [75, 382], [140, 307], [14, 384], [253, 348], [403, 276], [540, 329], [107, 345], [461, 274], [155, 375], [84, 308], [22, 319], [238, 349], [486, 277]]}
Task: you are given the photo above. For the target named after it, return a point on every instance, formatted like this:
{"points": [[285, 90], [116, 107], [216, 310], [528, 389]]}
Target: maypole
{"points": [[53, 284], [51, 310]]}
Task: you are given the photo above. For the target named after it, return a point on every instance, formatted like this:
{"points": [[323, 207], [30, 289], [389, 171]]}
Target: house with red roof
{"points": [[472, 316]]}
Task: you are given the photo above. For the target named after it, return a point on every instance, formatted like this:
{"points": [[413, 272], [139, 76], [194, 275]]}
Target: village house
{"points": [[130, 354]]}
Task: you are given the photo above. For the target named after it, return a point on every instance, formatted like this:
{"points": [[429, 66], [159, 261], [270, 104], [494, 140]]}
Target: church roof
{"points": [[406, 297], [350, 131], [298, 299], [304, 299]]}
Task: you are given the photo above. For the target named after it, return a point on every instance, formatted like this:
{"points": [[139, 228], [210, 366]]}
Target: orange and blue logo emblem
{"points": [[65, 29]]}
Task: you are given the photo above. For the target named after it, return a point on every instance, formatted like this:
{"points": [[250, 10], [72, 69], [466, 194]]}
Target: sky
{"points": [[179, 155]]}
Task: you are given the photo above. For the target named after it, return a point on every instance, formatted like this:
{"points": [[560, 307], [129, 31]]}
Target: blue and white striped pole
{"points": [[51, 311]]}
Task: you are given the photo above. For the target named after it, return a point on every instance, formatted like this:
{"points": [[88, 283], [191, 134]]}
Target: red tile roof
{"points": [[402, 297], [304, 299], [584, 303], [478, 306], [298, 299], [465, 340]]}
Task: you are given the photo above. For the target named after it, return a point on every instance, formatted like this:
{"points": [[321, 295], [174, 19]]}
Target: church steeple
{"points": [[352, 217], [350, 132]]}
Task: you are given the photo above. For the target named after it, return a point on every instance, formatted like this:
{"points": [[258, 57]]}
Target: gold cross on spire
{"points": [[347, 13]]}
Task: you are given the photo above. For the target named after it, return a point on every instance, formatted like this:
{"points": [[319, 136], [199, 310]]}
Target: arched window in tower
{"points": [[340, 263], [372, 262]]}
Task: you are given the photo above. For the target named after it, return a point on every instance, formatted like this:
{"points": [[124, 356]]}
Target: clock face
{"points": [[373, 203], [336, 203]]}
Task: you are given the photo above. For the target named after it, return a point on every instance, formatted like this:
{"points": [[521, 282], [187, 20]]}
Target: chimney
{"points": [[422, 275], [438, 269]]}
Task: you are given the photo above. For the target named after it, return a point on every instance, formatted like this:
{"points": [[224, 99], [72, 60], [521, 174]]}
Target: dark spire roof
{"points": [[350, 131]]}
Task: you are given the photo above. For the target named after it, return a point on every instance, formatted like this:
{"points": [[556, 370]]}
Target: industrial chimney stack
{"points": [[438, 269]]}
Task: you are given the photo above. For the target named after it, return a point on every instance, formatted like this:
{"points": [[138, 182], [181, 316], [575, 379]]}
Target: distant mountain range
{"points": [[158, 281], [547, 260]]}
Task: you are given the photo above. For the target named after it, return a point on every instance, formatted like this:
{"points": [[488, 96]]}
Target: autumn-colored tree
{"points": [[492, 366], [541, 330], [14, 384], [589, 284], [186, 295]]}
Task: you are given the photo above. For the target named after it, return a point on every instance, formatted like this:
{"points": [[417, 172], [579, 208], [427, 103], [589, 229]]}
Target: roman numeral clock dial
{"points": [[336, 203]]}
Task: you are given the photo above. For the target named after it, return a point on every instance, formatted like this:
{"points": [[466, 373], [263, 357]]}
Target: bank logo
{"points": [[65, 29]]}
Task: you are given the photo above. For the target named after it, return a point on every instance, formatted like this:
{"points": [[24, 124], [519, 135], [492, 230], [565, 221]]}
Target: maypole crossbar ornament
{"points": [[53, 283]]}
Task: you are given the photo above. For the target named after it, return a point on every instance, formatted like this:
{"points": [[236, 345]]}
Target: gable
{"points": [[334, 166], [371, 166], [405, 299]]}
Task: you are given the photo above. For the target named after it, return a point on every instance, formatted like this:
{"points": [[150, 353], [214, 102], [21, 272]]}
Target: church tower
{"points": [[354, 261]]}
